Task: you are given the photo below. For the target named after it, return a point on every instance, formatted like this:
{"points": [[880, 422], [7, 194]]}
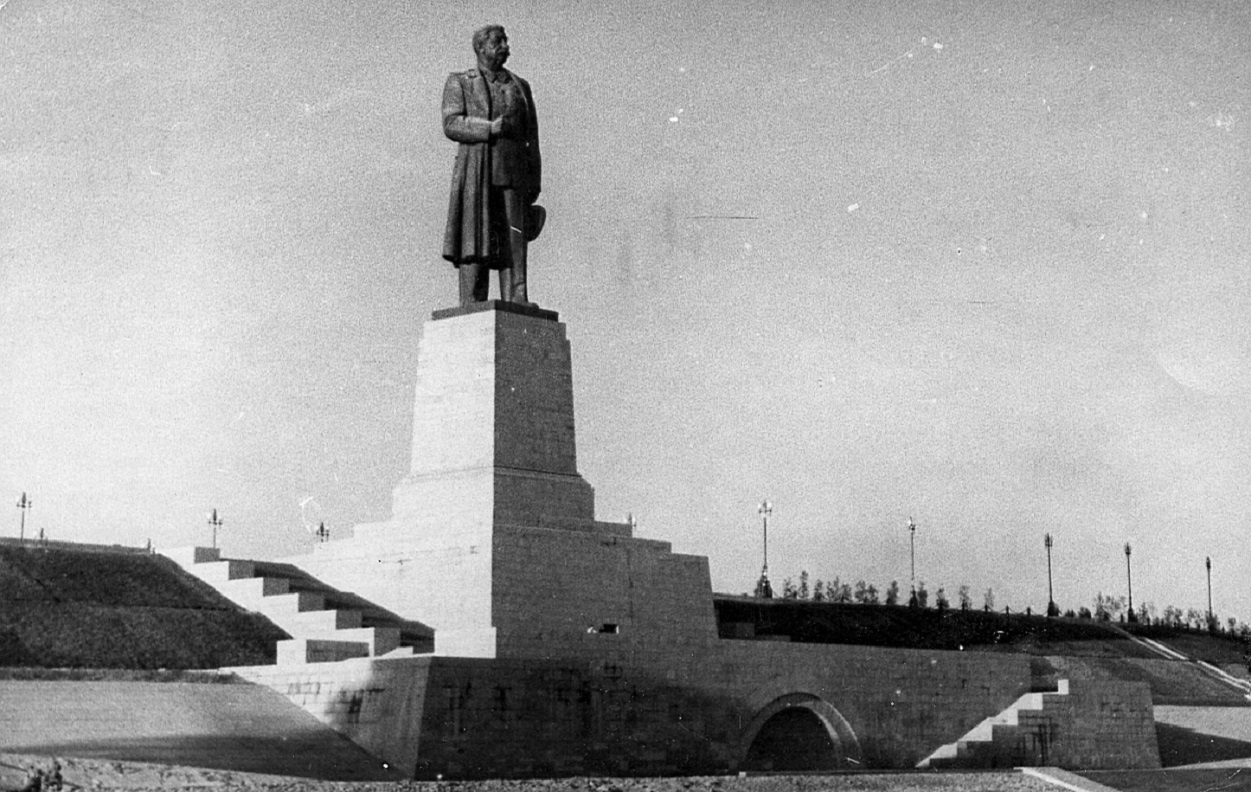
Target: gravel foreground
{"points": [[91, 774]]}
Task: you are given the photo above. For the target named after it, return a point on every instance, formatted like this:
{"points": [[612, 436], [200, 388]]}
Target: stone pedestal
{"points": [[493, 540], [493, 420], [493, 445]]}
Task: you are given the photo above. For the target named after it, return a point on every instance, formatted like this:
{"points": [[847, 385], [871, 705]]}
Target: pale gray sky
{"points": [[996, 277]]}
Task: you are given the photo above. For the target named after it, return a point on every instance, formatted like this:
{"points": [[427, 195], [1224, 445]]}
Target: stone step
{"points": [[298, 651], [322, 621], [221, 571], [187, 557], [380, 640], [281, 605], [248, 591]]}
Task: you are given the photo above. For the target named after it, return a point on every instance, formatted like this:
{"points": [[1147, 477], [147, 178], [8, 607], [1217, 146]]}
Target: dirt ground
{"points": [[83, 774]]}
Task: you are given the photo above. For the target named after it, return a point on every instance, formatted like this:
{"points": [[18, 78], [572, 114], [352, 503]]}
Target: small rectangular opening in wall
{"points": [[605, 629]]}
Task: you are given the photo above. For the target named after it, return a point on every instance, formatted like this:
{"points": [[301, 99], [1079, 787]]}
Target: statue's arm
{"points": [[457, 123]]}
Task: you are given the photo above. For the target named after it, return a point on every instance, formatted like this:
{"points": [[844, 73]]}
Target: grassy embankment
{"points": [[67, 607]]}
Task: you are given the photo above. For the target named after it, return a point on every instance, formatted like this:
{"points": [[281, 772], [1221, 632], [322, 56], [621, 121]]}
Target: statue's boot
{"points": [[516, 274], [473, 287]]}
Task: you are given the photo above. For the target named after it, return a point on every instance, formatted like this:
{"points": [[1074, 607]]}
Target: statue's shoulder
{"points": [[461, 76]]}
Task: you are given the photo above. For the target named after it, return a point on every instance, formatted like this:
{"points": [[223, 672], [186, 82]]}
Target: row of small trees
{"points": [[863, 593], [1106, 607]]}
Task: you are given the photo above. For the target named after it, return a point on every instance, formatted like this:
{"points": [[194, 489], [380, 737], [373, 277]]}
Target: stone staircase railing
{"points": [[326, 625]]}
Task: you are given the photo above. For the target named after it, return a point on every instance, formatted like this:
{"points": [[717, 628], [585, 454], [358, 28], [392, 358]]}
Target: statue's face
{"points": [[494, 50]]}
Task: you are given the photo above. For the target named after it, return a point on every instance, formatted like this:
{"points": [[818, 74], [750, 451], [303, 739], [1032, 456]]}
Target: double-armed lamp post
{"points": [[216, 522], [24, 503], [763, 588]]}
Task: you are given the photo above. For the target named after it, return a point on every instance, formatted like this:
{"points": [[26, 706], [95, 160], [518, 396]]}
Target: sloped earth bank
{"points": [[82, 774]]}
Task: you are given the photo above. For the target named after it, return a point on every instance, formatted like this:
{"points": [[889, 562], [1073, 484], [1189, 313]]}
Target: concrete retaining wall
{"points": [[474, 717], [228, 726]]}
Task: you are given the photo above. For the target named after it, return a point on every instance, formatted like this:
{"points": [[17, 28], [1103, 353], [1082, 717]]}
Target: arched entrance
{"points": [[799, 732]]}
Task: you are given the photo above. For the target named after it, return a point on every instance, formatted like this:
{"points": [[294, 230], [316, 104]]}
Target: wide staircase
{"points": [[997, 740], [326, 625]]}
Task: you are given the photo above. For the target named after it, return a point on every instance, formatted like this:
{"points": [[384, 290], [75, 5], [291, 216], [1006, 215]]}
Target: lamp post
{"points": [[912, 548], [763, 588], [1129, 580], [323, 533], [216, 522], [23, 503], [1052, 610], [1207, 562]]}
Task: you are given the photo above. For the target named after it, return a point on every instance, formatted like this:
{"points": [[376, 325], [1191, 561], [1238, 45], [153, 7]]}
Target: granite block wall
{"points": [[672, 713]]}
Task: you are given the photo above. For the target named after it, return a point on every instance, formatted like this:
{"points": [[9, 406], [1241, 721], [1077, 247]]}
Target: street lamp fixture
{"points": [[913, 600], [216, 522], [763, 588], [323, 533], [1129, 580], [1052, 609], [24, 503], [1211, 620]]}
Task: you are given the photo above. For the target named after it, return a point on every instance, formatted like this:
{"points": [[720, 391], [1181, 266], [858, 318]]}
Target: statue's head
{"points": [[491, 46]]}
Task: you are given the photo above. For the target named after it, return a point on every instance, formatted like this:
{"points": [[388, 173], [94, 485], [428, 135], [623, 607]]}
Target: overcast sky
{"points": [[983, 264]]}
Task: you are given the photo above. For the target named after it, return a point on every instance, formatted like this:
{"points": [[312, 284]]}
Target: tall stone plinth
{"points": [[493, 445], [493, 418]]}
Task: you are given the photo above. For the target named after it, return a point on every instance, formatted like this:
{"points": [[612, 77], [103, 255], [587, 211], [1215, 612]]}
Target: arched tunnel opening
{"points": [[794, 739]]}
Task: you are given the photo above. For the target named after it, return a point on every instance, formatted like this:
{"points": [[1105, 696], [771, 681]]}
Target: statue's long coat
{"points": [[475, 223]]}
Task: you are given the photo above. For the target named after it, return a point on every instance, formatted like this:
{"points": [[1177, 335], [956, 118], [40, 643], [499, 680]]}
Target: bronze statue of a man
{"points": [[491, 216]]}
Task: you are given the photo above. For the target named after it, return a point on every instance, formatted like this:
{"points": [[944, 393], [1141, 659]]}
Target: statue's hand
{"points": [[497, 127]]}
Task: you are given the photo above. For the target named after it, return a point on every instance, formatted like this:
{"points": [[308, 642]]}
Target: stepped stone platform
{"points": [[326, 624], [499, 629]]}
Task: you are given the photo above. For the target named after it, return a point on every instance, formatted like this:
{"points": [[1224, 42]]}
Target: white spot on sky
{"points": [[681, 70], [746, 246], [1143, 215], [673, 119], [937, 46], [853, 207], [310, 511]]}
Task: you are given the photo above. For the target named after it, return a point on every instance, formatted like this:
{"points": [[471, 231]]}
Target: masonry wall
{"points": [[1100, 724], [690, 714], [561, 593], [443, 581]]}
